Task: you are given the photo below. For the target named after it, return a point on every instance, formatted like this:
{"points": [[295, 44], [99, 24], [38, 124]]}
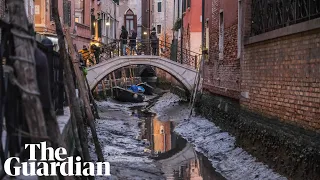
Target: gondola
{"points": [[125, 95], [148, 89]]}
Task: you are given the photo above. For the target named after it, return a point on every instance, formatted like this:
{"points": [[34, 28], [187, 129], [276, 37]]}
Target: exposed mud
{"points": [[143, 142]]}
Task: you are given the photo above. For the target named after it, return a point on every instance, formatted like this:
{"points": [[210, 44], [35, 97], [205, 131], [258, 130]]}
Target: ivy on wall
{"points": [[177, 24]]}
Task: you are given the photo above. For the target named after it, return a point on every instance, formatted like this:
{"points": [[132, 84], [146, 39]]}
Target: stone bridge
{"points": [[183, 73]]}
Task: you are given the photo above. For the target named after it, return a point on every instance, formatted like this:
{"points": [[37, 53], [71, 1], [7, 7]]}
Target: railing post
{"points": [[195, 61]]}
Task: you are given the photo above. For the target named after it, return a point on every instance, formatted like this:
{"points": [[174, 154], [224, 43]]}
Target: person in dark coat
{"points": [[133, 42], [124, 39], [154, 42]]}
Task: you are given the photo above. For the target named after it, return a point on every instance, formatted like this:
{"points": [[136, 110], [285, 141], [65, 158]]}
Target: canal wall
{"points": [[290, 150]]}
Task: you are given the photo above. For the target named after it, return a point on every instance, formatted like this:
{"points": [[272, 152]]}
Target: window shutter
{"points": [[93, 18], [184, 5], [159, 6], [67, 12], [189, 3], [99, 28]]}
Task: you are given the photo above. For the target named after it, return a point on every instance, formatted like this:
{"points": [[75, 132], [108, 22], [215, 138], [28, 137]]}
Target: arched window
{"points": [[130, 20]]}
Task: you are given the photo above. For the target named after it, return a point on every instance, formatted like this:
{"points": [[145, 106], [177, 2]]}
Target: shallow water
{"points": [[178, 158], [162, 142]]}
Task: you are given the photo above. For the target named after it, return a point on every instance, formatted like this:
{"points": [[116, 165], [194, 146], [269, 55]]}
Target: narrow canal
{"points": [[156, 140]]}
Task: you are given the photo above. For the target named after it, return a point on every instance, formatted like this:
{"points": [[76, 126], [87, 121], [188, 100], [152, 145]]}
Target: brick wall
{"points": [[222, 76], [282, 77]]}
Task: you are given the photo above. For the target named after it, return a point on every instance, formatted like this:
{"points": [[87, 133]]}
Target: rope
{"points": [[13, 80], [21, 59]]}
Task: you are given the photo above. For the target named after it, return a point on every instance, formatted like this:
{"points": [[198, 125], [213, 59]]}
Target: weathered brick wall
{"points": [[282, 77], [222, 76]]}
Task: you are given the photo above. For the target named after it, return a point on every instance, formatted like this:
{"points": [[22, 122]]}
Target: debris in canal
{"points": [[131, 139]]}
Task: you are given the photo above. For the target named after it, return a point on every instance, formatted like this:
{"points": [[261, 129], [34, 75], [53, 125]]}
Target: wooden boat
{"points": [[148, 89], [125, 95]]}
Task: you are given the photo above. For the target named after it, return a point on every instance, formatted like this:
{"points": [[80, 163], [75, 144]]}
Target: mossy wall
{"points": [[290, 150]]}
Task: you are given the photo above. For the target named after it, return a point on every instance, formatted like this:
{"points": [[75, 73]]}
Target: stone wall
{"points": [[290, 150], [222, 75]]}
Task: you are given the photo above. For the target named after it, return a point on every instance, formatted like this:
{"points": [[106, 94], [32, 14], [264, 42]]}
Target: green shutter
{"points": [[159, 6], [99, 28], [93, 19], [67, 12]]}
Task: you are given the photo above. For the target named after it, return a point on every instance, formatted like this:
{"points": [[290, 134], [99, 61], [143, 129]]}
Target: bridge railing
{"points": [[171, 51]]}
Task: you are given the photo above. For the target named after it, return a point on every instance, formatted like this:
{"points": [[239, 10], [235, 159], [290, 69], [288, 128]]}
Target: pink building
{"points": [[44, 24], [192, 25]]}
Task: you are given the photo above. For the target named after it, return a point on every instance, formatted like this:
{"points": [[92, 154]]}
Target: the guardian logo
{"points": [[56, 161]]}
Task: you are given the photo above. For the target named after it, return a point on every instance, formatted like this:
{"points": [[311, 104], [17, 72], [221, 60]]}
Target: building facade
{"points": [[280, 66], [163, 21], [79, 26], [104, 21], [192, 25], [130, 16], [222, 67]]}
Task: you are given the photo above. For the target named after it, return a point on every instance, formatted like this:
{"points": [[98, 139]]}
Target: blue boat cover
{"points": [[136, 89]]}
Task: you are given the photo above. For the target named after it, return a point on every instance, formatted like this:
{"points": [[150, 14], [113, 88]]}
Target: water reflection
{"points": [[178, 158]]}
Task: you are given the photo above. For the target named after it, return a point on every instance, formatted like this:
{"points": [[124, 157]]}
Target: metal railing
{"points": [[55, 67], [144, 47], [268, 15]]}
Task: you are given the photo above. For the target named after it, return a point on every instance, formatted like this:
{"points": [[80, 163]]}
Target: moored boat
{"points": [[148, 89], [125, 95]]}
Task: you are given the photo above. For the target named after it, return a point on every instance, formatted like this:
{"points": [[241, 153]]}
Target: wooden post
{"points": [[131, 77], [110, 83], [114, 78], [25, 70], [84, 95], [103, 87]]}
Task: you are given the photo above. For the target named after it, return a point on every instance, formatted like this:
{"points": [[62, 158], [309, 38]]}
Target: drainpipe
{"points": [[203, 29], [174, 19], [165, 23], [182, 29]]}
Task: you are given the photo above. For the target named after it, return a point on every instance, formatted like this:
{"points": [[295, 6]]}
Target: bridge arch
{"points": [[184, 73]]}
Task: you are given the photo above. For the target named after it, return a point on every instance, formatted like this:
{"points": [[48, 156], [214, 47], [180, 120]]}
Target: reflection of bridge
{"points": [[182, 72]]}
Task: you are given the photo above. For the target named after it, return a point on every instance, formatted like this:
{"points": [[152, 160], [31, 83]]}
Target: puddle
{"points": [[178, 159]]}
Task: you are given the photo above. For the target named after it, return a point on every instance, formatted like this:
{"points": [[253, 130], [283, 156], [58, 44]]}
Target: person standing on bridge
{"points": [[124, 40], [154, 42], [133, 42]]}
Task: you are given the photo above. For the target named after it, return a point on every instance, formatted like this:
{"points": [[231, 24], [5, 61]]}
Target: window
{"points": [[159, 6], [67, 12], [130, 20], [239, 28], [51, 11], [184, 5], [158, 29], [189, 3], [221, 36], [76, 19]]}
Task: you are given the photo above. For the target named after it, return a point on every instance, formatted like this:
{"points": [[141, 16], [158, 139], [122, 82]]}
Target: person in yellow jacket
{"points": [[85, 55]]}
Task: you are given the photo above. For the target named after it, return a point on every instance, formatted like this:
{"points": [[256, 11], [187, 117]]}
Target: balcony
{"points": [[82, 30]]}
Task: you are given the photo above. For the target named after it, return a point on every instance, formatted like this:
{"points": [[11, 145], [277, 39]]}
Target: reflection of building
{"points": [[161, 136], [193, 170]]}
